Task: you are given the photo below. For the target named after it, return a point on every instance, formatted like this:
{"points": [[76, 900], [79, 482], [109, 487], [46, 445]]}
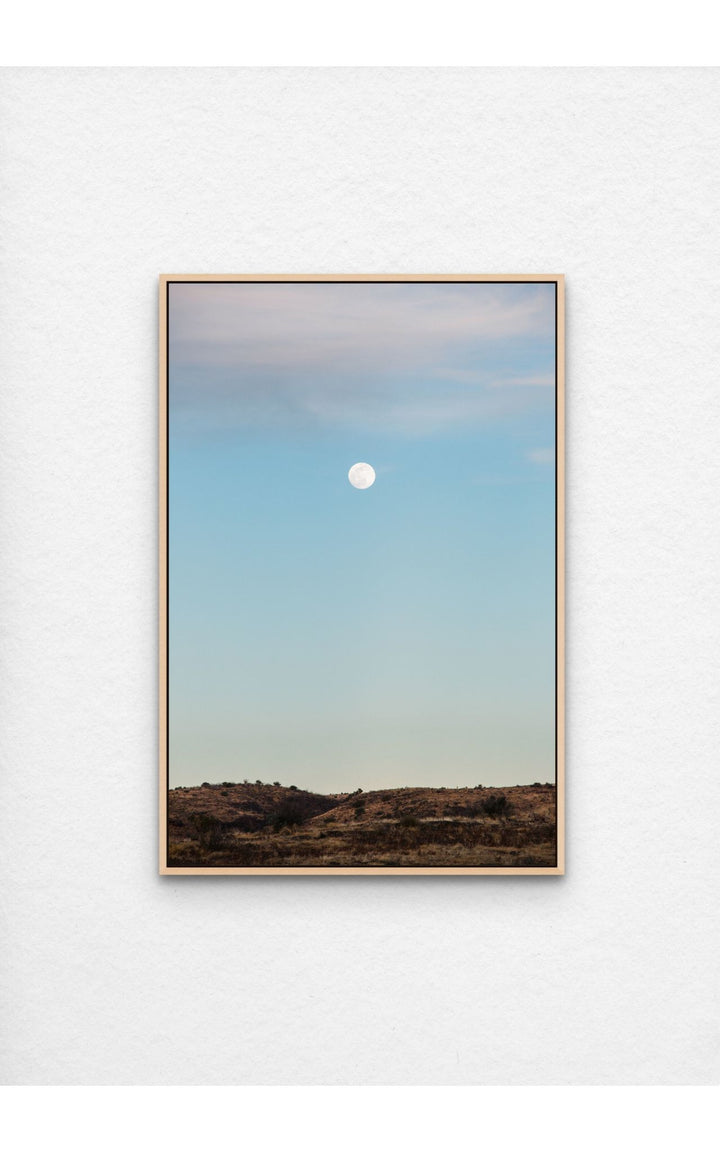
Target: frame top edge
{"points": [[352, 277]]}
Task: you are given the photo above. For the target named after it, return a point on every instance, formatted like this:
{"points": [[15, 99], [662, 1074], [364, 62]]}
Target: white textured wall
{"points": [[113, 975]]}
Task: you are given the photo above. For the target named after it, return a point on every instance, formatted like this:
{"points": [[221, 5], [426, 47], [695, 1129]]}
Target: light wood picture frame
{"points": [[332, 629]]}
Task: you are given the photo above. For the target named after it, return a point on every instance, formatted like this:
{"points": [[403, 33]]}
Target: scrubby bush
{"points": [[207, 830], [496, 805], [293, 788], [288, 815], [409, 822]]}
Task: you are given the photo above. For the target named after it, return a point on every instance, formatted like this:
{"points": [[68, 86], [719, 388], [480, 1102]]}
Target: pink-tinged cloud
{"points": [[410, 356]]}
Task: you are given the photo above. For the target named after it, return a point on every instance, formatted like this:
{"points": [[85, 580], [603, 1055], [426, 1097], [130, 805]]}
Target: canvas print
{"points": [[361, 597]]}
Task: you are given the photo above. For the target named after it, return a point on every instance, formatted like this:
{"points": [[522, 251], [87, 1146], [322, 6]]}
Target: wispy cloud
{"points": [[476, 376], [406, 356]]}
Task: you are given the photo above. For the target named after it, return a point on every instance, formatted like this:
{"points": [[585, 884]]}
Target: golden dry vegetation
{"points": [[267, 825]]}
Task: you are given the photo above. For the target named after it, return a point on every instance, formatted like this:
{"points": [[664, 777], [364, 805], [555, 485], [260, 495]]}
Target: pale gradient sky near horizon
{"points": [[337, 638]]}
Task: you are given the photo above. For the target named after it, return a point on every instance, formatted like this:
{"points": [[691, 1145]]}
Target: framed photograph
{"points": [[361, 574]]}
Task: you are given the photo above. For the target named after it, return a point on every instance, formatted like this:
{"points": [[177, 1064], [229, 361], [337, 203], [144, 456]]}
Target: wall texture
{"points": [[112, 975]]}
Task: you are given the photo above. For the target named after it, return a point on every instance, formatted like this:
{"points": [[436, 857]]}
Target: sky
{"points": [[336, 638]]}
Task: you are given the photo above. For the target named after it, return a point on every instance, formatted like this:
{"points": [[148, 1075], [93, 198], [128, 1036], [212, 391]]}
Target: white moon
{"points": [[361, 475]]}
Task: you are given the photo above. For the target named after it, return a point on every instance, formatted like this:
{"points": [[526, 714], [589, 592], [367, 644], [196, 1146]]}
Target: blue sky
{"points": [[335, 638]]}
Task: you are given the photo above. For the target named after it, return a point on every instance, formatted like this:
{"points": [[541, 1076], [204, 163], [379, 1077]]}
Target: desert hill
{"points": [[261, 825], [246, 807]]}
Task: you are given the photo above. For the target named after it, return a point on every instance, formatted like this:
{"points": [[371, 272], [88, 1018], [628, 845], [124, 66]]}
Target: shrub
{"points": [[496, 805], [258, 781], [276, 783], [293, 788], [208, 831], [287, 815], [409, 822]]}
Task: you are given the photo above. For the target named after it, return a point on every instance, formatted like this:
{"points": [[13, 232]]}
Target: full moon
{"points": [[361, 475]]}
